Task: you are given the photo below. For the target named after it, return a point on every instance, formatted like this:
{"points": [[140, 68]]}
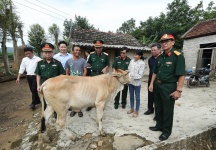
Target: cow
{"points": [[64, 92]]}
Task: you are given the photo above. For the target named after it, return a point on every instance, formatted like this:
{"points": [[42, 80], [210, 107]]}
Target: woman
{"points": [[136, 69]]}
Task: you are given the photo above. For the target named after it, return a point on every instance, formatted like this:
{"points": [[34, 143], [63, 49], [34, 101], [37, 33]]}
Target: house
{"points": [[200, 45], [113, 42]]}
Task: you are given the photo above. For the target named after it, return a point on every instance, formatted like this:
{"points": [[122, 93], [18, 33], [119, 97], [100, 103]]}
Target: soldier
{"points": [[98, 60], [122, 62], [167, 79], [29, 64], [48, 67]]}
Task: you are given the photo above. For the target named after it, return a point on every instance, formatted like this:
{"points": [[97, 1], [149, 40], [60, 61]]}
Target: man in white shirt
{"points": [[63, 55], [29, 64]]}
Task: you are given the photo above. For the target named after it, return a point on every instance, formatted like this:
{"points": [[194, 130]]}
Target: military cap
{"points": [[167, 35], [98, 43], [47, 47]]}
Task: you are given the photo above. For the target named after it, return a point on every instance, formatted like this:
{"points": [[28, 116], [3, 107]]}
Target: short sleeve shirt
{"points": [[48, 70], [168, 67], [98, 62], [120, 63], [76, 67]]}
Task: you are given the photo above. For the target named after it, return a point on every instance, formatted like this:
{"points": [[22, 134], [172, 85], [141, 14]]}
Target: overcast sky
{"points": [[107, 15]]}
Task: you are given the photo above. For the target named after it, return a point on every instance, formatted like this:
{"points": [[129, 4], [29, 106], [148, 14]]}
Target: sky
{"points": [[107, 15]]}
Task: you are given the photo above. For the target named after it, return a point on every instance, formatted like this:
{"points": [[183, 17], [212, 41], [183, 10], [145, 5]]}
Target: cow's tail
{"points": [[41, 95]]}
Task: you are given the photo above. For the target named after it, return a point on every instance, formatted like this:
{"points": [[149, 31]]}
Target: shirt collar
{"points": [[52, 60]]}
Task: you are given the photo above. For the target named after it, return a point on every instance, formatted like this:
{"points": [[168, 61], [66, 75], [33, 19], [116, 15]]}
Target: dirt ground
{"points": [[15, 114]]}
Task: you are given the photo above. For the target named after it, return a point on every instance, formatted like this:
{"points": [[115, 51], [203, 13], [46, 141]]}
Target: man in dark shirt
{"points": [[155, 51]]}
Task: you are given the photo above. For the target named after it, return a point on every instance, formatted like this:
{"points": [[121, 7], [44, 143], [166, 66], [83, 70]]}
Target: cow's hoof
{"points": [[45, 138]]}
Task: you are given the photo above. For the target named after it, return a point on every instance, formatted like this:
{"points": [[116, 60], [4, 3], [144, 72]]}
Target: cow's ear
{"points": [[115, 74]]}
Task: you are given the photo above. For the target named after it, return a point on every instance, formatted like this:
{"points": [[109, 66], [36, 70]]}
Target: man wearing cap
{"points": [[122, 62], [29, 64], [48, 67], [63, 55], [167, 82], [98, 60]]}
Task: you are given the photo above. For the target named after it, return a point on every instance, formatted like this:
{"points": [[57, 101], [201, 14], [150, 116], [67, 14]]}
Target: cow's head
{"points": [[122, 76]]}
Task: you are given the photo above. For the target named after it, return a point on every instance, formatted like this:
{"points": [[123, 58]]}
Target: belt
{"points": [[98, 72], [31, 75], [160, 81]]}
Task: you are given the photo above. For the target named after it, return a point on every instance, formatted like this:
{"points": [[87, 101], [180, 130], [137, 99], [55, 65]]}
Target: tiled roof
{"points": [[204, 28], [85, 37]]}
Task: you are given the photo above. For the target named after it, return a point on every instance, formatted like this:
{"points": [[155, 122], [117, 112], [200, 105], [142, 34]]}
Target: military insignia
{"points": [[169, 54], [177, 52], [54, 65], [105, 53], [119, 62], [42, 65], [169, 63], [127, 63], [164, 36]]}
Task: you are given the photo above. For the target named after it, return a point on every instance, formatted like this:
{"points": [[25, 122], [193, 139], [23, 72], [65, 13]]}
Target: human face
{"points": [[76, 51], [48, 55], [86, 53], [167, 45], [98, 50], [29, 54], [123, 54], [136, 57], [155, 51], [63, 48]]}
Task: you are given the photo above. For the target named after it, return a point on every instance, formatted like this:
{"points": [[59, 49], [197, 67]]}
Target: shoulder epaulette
{"points": [[105, 53], [91, 52], [177, 52]]}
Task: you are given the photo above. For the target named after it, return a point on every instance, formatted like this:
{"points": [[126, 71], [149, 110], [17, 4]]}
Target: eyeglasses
{"points": [[122, 53]]}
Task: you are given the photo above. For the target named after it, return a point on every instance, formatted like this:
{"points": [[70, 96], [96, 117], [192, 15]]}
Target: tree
{"points": [[54, 32], [210, 11], [20, 30], [36, 37], [78, 23], [127, 27], [4, 21]]}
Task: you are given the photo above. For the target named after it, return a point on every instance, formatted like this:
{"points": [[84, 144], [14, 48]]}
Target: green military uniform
{"points": [[98, 62], [48, 70], [123, 64], [168, 67]]}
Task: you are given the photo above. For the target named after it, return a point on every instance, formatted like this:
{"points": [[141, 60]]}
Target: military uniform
{"points": [[123, 64], [48, 70], [98, 62], [168, 67]]}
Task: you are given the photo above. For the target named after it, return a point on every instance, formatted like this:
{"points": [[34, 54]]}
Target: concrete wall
{"points": [[191, 47]]}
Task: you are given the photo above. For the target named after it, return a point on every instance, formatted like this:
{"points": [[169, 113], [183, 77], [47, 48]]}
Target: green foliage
{"points": [[179, 17], [54, 33], [36, 37], [78, 23]]}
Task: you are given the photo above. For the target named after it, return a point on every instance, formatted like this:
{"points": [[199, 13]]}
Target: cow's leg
{"points": [[99, 108], [61, 110], [47, 114]]}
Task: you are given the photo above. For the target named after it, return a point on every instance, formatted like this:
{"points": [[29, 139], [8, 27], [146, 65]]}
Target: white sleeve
{"points": [[22, 66]]}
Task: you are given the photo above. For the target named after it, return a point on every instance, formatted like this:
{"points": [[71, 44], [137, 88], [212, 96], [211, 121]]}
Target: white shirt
{"points": [[136, 70], [63, 58], [29, 65]]}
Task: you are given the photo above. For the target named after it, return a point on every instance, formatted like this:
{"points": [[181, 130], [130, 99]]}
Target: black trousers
{"points": [[33, 88], [150, 99], [124, 96], [88, 71]]}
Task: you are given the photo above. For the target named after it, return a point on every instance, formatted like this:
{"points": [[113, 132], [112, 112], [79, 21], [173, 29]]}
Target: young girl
{"points": [[136, 70]]}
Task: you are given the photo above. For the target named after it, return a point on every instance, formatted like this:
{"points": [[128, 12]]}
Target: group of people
{"points": [[165, 82]]}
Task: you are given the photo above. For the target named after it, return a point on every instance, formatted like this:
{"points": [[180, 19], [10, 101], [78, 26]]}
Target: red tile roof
{"points": [[84, 37], [204, 28]]}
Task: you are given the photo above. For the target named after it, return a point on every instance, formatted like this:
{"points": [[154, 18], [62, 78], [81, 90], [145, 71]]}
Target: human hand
{"points": [[175, 95], [17, 81], [151, 88], [38, 88], [104, 71]]}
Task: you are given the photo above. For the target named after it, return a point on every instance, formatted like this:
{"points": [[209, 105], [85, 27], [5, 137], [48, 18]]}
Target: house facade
{"points": [[200, 45], [113, 42]]}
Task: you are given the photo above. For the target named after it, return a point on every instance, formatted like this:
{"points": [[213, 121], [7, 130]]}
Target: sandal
{"points": [[135, 114], [72, 113], [80, 114], [130, 111]]}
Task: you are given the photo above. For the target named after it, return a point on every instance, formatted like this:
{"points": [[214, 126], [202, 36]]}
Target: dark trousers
{"points": [[150, 99], [88, 71], [164, 106], [124, 96], [33, 88]]}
